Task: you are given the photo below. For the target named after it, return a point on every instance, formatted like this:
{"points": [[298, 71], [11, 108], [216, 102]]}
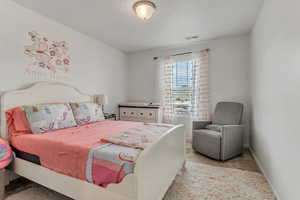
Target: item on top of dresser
{"points": [[49, 117], [85, 113], [142, 112]]}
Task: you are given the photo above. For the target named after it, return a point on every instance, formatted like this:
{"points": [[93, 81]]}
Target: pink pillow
{"points": [[17, 122]]}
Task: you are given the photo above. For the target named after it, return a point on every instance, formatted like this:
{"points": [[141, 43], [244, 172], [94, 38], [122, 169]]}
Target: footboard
{"points": [[158, 165]]}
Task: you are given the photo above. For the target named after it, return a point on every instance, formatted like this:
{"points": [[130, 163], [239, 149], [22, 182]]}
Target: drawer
{"points": [[124, 112], [150, 115], [132, 113], [141, 114], [126, 119]]}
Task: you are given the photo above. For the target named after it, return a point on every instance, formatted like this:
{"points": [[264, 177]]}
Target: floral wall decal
{"points": [[47, 58]]}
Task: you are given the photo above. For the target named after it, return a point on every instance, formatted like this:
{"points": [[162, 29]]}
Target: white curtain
{"points": [[166, 90], [201, 110], [200, 98]]}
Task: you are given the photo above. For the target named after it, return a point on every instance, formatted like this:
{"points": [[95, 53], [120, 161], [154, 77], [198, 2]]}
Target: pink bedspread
{"points": [[66, 151]]}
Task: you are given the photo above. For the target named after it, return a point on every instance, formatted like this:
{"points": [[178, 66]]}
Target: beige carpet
{"points": [[195, 182], [205, 182]]}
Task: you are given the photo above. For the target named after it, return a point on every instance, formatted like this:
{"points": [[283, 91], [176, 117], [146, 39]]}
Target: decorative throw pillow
{"points": [[85, 113], [17, 122], [44, 118]]}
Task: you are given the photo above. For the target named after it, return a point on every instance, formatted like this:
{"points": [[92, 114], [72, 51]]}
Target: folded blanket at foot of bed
{"points": [[110, 163], [138, 137]]}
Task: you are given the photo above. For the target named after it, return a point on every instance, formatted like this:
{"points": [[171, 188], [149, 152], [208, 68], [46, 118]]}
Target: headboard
{"points": [[39, 93]]}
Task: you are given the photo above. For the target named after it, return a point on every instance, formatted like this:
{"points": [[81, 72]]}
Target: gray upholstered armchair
{"points": [[221, 138]]}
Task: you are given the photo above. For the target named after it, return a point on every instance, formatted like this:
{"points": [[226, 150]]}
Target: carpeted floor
{"points": [[243, 162], [202, 179], [205, 182]]}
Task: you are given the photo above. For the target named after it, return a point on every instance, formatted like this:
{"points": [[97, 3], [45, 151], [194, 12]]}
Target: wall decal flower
{"points": [[66, 61], [47, 56]]}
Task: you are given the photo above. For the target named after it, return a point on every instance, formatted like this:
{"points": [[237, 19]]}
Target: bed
{"points": [[149, 181]]}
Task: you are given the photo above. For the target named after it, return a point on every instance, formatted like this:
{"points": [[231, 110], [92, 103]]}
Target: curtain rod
{"points": [[179, 54]]}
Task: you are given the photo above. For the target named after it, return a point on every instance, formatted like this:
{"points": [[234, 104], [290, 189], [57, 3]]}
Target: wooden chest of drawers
{"points": [[140, 113]]}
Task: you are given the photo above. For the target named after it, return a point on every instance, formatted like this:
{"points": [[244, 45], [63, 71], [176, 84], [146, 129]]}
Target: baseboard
{"points": [[264, 173]]}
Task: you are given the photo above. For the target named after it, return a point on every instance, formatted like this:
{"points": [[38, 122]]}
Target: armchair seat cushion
{"points": [[210, 133], [207, 142], [214, 127]]}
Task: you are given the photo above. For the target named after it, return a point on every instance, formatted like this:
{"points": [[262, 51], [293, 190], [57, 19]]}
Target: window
{"points": [[184, 86]]}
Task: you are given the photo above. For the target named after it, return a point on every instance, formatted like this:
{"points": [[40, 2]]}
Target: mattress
{"points": [[27, 156]]}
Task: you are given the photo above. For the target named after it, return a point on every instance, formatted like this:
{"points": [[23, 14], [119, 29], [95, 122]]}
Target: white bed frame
{"points": [[155, 168]]}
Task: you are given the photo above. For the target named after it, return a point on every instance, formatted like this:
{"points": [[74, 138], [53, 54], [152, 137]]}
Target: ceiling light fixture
{"points": [[144, 9]]}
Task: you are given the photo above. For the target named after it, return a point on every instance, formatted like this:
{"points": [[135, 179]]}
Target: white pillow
{"points": [[86, 113]]}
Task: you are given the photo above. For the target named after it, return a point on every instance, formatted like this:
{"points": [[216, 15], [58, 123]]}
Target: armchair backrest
{"points": [[228, 113]]}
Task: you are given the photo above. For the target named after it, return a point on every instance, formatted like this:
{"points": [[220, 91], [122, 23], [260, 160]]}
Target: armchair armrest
{"points": [[200, 124], [232, 141]]}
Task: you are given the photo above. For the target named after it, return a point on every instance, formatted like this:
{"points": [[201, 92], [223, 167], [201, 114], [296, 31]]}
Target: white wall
{"points": [[229, 65], [96, 68], [275, 136]]}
